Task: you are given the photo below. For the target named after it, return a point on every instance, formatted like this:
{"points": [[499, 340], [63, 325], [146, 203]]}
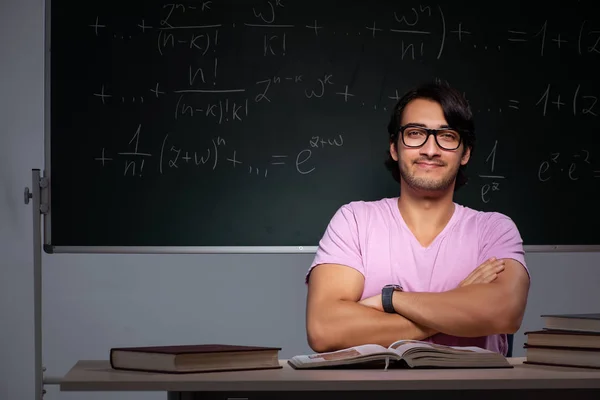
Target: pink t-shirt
{"points": [[372, 237]]}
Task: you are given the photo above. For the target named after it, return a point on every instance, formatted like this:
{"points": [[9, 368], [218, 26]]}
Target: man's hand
{"points": [[485, 273]]}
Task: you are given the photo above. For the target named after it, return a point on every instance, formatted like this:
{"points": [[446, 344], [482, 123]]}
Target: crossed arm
{"points": [[336, 318]]}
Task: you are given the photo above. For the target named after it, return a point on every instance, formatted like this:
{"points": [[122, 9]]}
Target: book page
{"points": [[405, 346], [335, 357]]}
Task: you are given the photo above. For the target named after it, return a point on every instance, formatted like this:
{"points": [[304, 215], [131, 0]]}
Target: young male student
{"points": [[419, 266]]}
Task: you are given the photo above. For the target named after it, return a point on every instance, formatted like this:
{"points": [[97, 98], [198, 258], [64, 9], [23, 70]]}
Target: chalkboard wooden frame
{"points": [[50, 223]]}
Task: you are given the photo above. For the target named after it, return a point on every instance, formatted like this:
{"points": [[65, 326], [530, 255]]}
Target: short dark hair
{"points": [[456, 111]]}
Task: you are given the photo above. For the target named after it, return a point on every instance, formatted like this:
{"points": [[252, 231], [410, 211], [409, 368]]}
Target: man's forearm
{"points": [[469, 311], [347, 323]]}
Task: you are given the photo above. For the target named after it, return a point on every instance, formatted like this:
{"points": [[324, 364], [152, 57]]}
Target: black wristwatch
{"points": [[386, 297]]}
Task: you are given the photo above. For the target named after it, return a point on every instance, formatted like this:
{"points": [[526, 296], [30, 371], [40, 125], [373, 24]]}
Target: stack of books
{"points": [[571, 340]]}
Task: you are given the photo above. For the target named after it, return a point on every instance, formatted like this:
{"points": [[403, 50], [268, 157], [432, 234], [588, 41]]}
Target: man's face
{"points": [[428, 167]]}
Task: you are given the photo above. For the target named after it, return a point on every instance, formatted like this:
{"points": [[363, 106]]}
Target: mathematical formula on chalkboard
{"points": [[190, 106], [200, 31]]}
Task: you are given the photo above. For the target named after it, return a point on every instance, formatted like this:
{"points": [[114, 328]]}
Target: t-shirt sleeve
{"points": [[500, 238], [340, 242]]}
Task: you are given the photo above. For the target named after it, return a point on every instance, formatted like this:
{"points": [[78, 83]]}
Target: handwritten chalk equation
{"points": [[579, 100], [574, 166], [492, 178], [421, 30], [190, 103], [131, 161]]}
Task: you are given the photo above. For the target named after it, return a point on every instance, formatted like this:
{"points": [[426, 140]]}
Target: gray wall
{"points": [[94, 302]]}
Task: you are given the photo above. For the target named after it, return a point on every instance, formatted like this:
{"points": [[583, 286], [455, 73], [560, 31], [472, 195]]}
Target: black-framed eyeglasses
{"points": [[416, 136]]}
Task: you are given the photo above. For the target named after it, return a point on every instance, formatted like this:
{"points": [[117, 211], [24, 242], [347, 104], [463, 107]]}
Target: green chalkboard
{"points": [[248, 123]]}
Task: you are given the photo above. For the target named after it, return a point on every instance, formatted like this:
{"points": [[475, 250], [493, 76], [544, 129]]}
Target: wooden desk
{"points": [[522, 382]]}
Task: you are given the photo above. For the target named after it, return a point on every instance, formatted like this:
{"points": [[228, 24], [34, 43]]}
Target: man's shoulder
{"points": [[368, 210], [366, 206], [483, 218], [350, 225], [489, 227]]}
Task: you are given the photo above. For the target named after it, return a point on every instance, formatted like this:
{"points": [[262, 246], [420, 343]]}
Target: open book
{"points": [[403, 353]]}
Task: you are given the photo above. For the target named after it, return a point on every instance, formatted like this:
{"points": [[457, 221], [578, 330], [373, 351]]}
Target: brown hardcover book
{"points": [[561, 338], [194, 358], [573, 322], [562, 356]]}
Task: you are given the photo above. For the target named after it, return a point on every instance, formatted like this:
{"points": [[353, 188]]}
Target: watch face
{"points": [[395, 287]]}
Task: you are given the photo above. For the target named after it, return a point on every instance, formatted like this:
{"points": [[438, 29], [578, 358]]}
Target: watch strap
{"points": [[386, 299]]}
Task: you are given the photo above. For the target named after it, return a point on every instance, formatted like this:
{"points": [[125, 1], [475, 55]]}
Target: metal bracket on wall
{"points": [[34, 196]]}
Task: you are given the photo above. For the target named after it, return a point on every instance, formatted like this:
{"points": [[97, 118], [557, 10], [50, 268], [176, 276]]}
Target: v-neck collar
{"points": [[402, 223]]}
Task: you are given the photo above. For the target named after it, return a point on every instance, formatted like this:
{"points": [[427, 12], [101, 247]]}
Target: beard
{"points": [[427, 182]]}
